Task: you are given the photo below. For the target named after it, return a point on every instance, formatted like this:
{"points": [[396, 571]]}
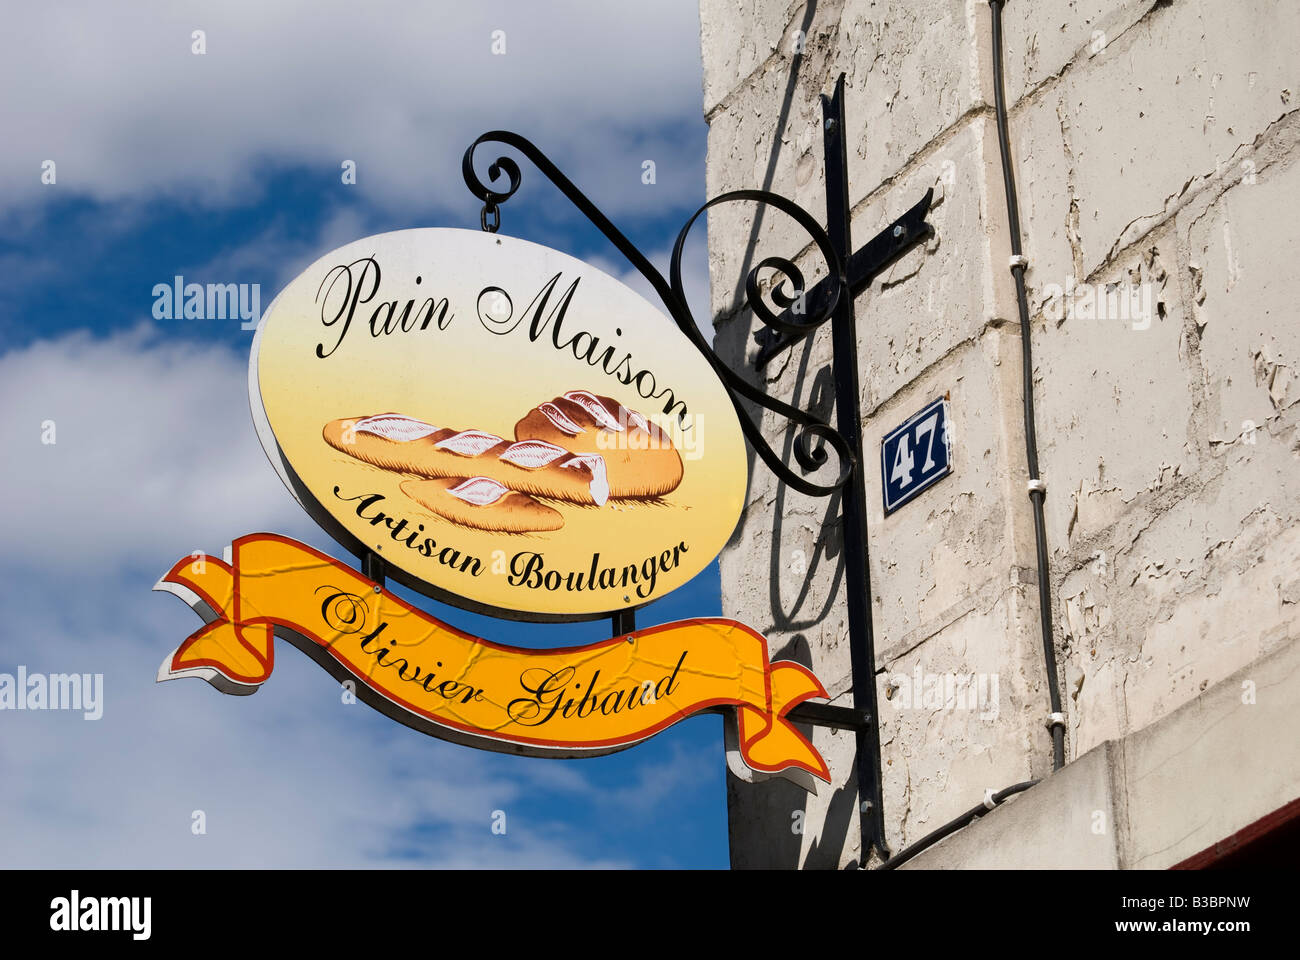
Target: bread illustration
{"points": [[484, 504], [396, 442], [640, 459]]}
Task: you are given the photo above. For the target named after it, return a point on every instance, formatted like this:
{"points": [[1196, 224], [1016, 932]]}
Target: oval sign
{"points": [[510, 429]]}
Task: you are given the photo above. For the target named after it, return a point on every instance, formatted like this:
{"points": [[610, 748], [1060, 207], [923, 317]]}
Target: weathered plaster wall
{"points": [[1159, 795], [1154, 144]]}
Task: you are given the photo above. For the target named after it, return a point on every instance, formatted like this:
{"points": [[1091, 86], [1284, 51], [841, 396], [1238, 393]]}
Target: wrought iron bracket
{"points": [[372, 567], [877, 255], [813, 435], [828, 715], [795, 312]]}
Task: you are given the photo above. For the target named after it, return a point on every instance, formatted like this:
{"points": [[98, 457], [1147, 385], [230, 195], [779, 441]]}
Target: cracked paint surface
{"points": [[1155, 146]]}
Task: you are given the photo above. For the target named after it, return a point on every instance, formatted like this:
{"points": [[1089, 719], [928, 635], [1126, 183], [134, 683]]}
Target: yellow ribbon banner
{"points": [[561, 702]]}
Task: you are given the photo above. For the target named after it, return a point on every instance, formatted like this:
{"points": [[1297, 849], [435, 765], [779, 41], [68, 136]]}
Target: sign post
{"points": [[857, 579], [832, 299]]}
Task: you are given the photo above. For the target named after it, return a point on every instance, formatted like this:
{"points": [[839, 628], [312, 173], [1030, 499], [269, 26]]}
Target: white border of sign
{"points": [[331, 525]]}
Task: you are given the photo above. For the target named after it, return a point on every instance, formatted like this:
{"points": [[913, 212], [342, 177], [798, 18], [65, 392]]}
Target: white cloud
{"points": [[117, 99], [155, 457], [148, 428]]}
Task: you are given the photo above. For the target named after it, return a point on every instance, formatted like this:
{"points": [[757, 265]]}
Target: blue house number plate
{"points": [[915, 455]]}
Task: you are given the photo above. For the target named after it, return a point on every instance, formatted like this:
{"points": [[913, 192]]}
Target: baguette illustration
{"points": [[484, 504], [396, 442], [640, 459]]}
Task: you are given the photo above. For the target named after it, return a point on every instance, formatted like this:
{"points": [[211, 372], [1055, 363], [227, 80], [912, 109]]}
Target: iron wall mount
{"points": [[795, 313]]}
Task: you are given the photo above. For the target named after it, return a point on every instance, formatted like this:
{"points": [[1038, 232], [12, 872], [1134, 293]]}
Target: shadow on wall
{"points": [[776, 810], [773, 815], [820, 402]]}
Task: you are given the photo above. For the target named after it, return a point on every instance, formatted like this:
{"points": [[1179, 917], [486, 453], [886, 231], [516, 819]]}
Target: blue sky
{"points": [[225, 168]]}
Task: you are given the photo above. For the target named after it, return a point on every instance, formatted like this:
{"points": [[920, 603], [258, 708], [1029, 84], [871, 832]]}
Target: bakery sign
{"points": [[508, 428], [512, 431]]}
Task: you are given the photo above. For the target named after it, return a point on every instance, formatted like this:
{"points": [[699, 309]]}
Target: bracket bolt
{"points": [[830, 124], [898, 230]]}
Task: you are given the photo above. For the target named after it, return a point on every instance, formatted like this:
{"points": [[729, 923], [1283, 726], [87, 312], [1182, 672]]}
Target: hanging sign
{"points": [[508, 428], [573, 701], [511, 430]]}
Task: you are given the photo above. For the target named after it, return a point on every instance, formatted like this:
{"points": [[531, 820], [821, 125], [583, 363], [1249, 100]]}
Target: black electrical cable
{"points": [[1037, 492], [969, 817]]}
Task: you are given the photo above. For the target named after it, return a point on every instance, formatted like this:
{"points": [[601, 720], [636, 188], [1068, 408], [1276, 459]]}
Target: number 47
{"points": [[903, 462]]}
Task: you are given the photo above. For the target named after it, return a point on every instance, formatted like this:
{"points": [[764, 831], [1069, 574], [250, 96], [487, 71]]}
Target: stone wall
{"points": [[1154, 147]]}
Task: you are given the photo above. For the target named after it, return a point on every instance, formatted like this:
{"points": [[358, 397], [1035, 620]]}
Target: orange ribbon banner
{"points": [[560, 702]]}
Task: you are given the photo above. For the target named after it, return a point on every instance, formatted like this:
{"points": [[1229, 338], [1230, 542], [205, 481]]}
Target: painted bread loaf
{"points": [[397, 442], [640, 459], [483, 503]]}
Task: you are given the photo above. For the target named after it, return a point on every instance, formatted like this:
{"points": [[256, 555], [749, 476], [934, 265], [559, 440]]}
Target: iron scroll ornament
{"points": [[810, 428]]}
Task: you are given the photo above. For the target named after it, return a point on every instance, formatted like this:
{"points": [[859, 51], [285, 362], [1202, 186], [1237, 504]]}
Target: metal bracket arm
{"points": [[826, 715], [877, 255]]}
